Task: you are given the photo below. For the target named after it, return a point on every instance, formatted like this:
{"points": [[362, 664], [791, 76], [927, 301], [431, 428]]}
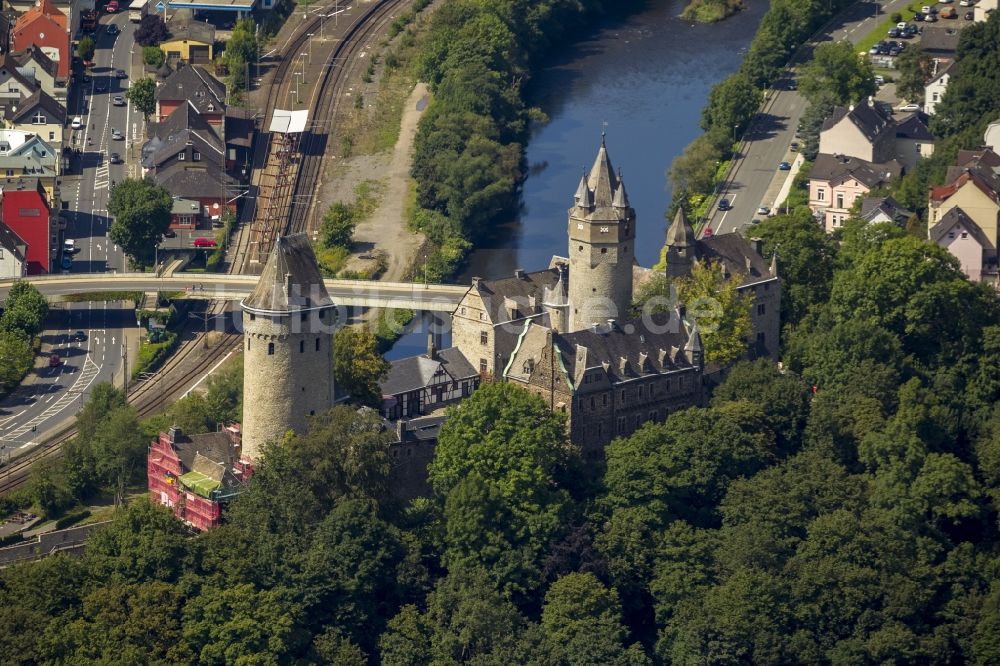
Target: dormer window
{"points": [[196, 156], [211, 107], [180, 156], [39, 119]]}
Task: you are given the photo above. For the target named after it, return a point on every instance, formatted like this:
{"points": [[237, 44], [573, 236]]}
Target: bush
{"points": [[11, 539], [152, 354], [152, 56], [71, 519]]}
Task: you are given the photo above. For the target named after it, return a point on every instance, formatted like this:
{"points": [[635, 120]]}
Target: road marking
{"points": [[88, 373], [205, 376]]}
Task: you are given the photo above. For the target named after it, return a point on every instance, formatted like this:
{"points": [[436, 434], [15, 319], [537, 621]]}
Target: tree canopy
{"points": [[141, 211]]}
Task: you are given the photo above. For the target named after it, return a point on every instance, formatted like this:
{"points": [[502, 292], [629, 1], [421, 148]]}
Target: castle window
{"points": [[317, 344], [482, 366], [605, 399], [270, 349], [652, 416], [592, 405], [760, 309], [604, 250], [586, 379], [760, 337], [621, 425], [482, 316], [248, 344], [462, 311], [528, 366], [640, 390], [820, 194], [322, 314], [965, 234], [253, 316], [581, 248], [484, 338], [605, 230], [302, 346], [667, 384], [652, 390], [623, 396]]}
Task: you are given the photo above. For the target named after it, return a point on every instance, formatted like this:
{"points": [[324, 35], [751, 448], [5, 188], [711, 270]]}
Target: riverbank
{"points": [[711, 11]]}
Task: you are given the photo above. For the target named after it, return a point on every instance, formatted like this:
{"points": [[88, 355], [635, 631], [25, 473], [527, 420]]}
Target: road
{"points": [[53, 394], [755, 180]]}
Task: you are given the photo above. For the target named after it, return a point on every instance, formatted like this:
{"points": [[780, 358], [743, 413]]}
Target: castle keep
{"points": [[288, 322]]}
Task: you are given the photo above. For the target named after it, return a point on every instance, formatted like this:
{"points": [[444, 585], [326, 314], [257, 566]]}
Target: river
{"points": [[647, 76]]}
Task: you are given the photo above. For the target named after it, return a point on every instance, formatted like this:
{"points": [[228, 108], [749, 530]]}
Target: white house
{"points": [[991, 139], [12, 253], [941, 73]]}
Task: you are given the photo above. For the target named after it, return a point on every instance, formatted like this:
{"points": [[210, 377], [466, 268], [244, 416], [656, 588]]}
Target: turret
{"points": [[287, 344], [681, 246], [693, 351], [601, 247]]}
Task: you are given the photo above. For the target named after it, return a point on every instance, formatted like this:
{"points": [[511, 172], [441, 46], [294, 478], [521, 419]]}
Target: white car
{"points": [[77, 123], [116, 135], [966, 3], [909, 107], [118, 100], [69, 246]]}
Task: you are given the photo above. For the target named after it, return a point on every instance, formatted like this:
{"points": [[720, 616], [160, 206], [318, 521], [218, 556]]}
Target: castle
{"points": [[563, 333]]}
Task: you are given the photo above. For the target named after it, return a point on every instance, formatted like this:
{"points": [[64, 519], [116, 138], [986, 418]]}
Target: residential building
{"points": [[190, 42], [14, 85], [864, 131], [39, 114], [937, 41], [991, 138], [914, 140], [47, 28], [961, 236], [195, 475], [758, 278], [72, 10], [13, 253], [942, 70], [884, 209], [983, 9], [837, 181], [976, 190], [34, 65], [418, 385], [185, 214], [195, 86], [984, 158], [23, 154], [26, 211], [612, 378]]}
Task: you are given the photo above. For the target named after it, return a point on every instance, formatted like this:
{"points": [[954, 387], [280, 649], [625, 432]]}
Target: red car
{"points": [[54, 361], [204, 242], [111, 7], [707, 233]]}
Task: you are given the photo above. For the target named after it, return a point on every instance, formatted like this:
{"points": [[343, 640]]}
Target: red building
{"points": [[196, 474], [25, 209], [45, 26]]}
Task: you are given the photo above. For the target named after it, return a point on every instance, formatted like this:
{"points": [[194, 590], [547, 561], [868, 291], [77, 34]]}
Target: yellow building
{"points": [[190, 41]]}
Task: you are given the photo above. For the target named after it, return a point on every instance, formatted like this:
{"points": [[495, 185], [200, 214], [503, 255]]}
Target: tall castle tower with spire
{"points": [[601, 247], [288, 323]]}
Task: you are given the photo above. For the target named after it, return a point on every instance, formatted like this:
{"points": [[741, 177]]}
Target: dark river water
{"points": [[647, 76]]}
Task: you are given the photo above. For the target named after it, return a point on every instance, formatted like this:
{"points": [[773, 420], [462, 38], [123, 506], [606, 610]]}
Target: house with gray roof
{"points": [[865, 131], [837, 181], [975, 250], [884, 209], [914, 140], [419, 385], [936, 41], [191, 84], [13, 254]]}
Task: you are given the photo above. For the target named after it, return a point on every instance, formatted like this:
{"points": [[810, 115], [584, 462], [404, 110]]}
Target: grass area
{"points": [[332, 251], [152, 354], [134, 296], [882, 29], [332, 259]]}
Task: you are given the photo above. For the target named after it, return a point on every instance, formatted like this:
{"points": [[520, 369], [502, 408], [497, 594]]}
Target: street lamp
{"points": [[310, 36], [303, 56]]}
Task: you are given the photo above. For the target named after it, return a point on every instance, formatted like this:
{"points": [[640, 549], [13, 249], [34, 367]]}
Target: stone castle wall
{"points": [[600, 282]]}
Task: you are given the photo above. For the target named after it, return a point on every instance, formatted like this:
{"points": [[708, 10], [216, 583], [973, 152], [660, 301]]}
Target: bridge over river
{"points": [[219, 286]]}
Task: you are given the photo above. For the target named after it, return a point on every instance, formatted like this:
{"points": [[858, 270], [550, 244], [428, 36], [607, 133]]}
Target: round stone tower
{"points": [[288, 322], [601, 247]]}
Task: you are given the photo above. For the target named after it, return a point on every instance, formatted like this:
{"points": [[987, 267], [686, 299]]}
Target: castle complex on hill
{"points": [[563, 333]]}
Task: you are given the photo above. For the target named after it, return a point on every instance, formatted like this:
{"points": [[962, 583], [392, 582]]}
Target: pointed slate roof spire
{"points": [[290, 281], [680, 233], [602, 181], [621, 196], [774, 264], [694, 339], [583, 196]]}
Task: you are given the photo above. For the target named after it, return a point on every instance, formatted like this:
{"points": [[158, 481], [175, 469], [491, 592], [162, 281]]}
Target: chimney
{"points": [[431, 347], [871, 101], [519, 273], [174, 434], [611, 325], [400, 429], [288, 284], [758, 245], [476, 281], [594, 328]]}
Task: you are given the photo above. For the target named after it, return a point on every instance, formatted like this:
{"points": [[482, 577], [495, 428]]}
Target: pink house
{"points": [[961, 236], [837, 181]]}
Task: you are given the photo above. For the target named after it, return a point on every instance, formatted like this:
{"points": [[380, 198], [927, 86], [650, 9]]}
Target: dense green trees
{"points": [[142, 94], [142, 215], [24, 313], [836, 72], [357, 366]]}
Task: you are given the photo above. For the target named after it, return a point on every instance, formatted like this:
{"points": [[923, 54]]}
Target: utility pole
{"points": [[125, 367]]}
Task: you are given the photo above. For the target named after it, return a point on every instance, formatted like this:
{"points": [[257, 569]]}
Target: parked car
{"points": [[118, 100], [80, 336], [794, 147], [918, 17], [784, 166], [894, 32], [879, 80], [77, 122], [926, 9], [969, 16], [170, 233], [69, 246], [763, 210], [966, 3], [116, 134], [909, 107], [724, 204], [755, 221], [54, 361], [948, 13], [116, 158], [112, 29], [204, 242], [875, 49], [111, 7], [121, 74], [931, 18]]}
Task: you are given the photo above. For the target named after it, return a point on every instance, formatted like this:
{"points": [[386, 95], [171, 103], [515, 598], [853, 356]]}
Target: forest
{"points": [[839, 509]]}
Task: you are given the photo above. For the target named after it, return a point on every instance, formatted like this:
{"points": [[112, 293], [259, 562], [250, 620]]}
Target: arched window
{"points": [[270, 349]]}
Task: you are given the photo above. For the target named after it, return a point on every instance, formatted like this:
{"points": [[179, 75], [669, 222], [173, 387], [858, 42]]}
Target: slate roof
{"points": [[915, 127], [967, 159], [290, 281], [195, 180], [735, 253], [601, 194], [609, 345], [239, 127], [872, 206], [8, 65], [11, 242], [680, 233], [35, 55], [869, 118], [17, 113], [521, 289], [957, 216], [195, 85], [986, 180], [192, 31], [215, 446], [417, 372], [950, 66], [939, 40], [838, 168]]}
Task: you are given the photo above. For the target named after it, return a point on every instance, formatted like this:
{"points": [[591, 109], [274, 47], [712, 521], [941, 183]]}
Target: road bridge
{"points": [[219, 286]]}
